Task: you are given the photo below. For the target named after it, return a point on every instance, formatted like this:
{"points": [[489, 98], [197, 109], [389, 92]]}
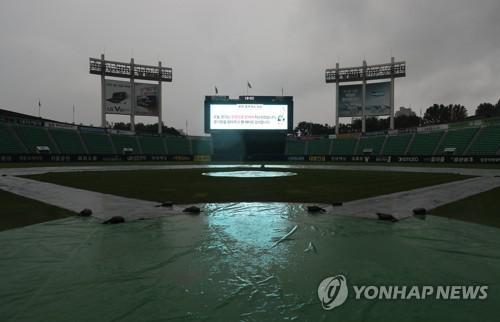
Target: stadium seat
{"points": [[9, 143], [425, 143], [296, 147], [318, 147], [125, 142], [178, 145], [97, 143], [343, 146], [396, 144], [201, 146], [33, 136], [68, 141], [487, 141], [152, 144], [373, 143], [458, 139]]}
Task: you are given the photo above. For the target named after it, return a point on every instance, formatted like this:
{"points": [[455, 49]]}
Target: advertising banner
{"points": [[350, 101], [378, 99], [118, 98]]}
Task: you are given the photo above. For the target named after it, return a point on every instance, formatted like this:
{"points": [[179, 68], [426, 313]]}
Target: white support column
{"points": [[363, 100], [391, 121], [103, 92], [337, 99], [160, 122], [132, 96]]}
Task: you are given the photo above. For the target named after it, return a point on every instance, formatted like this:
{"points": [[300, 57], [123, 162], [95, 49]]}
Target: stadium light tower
{"points": [[130, 98], [361, 100]]}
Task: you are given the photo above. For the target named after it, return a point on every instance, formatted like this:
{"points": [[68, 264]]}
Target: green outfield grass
{"points": [[17, 211], [482, 208], [189, 186]]}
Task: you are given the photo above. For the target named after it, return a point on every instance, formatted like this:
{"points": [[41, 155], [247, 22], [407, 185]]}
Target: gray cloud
{"points": [[451, 48]]}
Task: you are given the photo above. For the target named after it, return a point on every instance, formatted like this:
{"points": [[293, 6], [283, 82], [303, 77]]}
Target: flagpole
{"points": [[73, 113], [39, 105]]}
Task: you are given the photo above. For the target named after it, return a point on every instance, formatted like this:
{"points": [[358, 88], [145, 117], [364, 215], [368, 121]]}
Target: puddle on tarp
{"points": [[249, 174], [221, 265]]}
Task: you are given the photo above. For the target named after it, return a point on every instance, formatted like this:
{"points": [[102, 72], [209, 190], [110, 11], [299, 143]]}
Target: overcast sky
{"points": [[451, 47]]}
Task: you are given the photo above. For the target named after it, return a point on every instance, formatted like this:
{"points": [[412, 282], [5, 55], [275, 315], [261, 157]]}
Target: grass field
{"points": [[18, 211], [189, 186], [481, 208]]}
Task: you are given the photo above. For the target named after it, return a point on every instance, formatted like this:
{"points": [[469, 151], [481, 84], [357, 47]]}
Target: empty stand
{"points": [[8, 141], [425, 143], [178, 145], [487, 141], [97, 143], [396, 144], [68, 141], [125, 141], [152, 144], [201, 146], [370, 143], [458, 140], [35, 136], [344, 146], [319, 147], [296, 147]]}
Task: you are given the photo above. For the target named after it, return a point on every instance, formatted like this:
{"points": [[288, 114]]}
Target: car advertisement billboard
{"points": [[118, 98]]}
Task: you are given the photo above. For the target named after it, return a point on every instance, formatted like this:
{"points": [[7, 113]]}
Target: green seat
{"points": [[319, 147], [178, 146], [343, 146], [9, 144], [152, 144], [68, 141], [457, 139], [425, 143], [125, 141], [487, 141], [33, 136], [201, 146], [374, 143], [97, 143], [296, 147], [396, 144]]}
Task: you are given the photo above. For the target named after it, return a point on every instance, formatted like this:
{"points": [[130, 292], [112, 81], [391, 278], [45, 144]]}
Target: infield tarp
{"points": [[221, 265]]}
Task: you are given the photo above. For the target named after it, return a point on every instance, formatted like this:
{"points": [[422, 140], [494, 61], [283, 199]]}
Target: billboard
{"points": [[350, 101], [377, 100], [248, 116], [118, 98]]}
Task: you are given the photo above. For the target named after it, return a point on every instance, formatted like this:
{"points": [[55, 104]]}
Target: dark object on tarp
{"points": [[337, 203], [192, 210], [387, 217], [4, 175], [115, 220], [166, 204], [420, 211], [86, 212], [315, 209]]}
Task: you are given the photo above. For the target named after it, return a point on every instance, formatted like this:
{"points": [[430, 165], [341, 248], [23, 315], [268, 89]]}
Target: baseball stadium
{"points": [[257, 218]]}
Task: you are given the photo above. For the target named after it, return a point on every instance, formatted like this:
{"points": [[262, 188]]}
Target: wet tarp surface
{"points": [[222, 266]]}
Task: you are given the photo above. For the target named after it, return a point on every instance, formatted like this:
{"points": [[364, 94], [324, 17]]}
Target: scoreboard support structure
{"points": [[363, 74]]}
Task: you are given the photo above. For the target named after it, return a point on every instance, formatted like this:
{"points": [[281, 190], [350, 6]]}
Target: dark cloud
{"points": [[451, 48]]}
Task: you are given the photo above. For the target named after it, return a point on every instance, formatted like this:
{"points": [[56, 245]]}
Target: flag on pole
{"points": [[39, 103], [249, 85], [216, 90]]}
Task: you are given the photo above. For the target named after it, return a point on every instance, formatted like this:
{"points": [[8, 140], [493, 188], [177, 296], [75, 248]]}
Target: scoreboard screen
{"points": [[248, 113]]}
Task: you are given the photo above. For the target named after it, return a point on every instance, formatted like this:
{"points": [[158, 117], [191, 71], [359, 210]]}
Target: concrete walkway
{"points": [[399, 204]]}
